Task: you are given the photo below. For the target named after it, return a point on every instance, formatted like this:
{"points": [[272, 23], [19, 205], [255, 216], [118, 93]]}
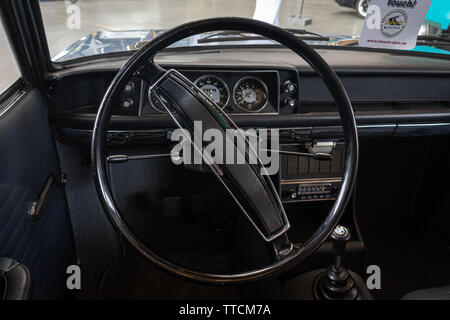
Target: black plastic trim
{"points": [[86, 121]]}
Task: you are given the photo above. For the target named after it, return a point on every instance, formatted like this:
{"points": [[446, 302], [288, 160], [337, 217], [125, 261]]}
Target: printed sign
{"points": [[393, 24]]}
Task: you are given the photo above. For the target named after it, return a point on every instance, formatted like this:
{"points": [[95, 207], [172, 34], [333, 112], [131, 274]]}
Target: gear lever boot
{"points": [[337, 283]]}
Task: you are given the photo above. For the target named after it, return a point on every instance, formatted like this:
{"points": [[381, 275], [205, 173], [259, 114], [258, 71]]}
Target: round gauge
{"points": [[215, 88], [155, 103], [250, 94]]}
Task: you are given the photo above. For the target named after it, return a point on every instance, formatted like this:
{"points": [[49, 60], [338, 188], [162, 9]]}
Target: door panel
{"points": [[27, 159]]}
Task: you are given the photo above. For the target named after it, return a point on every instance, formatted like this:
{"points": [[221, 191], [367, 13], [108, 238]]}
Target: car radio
{"points": [[309, 190]]}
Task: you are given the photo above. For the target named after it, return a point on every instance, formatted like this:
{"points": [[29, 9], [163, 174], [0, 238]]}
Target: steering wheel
{"points": [[252, 190]]}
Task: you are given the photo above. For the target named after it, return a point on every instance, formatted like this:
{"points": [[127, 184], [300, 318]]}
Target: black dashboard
{"points": [[385, 88], [393, 94]]}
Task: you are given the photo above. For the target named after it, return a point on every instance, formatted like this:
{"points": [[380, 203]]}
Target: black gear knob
{"points": [[339, 236]]}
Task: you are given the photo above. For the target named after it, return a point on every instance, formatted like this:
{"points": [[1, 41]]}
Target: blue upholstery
{"points": [[42, 245], [28, 158]]}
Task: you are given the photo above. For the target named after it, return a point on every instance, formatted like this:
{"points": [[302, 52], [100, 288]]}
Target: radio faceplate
{"points": [[305, 178], [310, 190]]}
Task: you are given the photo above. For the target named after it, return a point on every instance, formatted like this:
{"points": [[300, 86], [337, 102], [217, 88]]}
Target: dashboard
{"points": [[393, 95], [385, 89]]}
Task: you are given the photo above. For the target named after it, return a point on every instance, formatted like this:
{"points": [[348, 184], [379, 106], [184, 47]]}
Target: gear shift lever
{"points": [[340, 236], [337, 283]]}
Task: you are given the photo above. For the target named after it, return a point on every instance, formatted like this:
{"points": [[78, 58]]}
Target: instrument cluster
{"points": [[236, 92], [233, 92], [240, 92]]}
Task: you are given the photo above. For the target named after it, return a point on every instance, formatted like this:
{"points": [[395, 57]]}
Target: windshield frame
{"points": [[122, 54]]}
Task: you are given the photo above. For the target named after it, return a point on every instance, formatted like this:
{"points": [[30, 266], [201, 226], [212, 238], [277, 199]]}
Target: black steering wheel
{"points": [[253, 192]]}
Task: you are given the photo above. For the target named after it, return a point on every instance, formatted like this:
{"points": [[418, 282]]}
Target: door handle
{"points": [[38, 205]]}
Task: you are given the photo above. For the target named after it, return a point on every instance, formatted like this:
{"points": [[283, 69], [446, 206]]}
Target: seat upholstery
{"points": [[16, 280], [439, 293]]}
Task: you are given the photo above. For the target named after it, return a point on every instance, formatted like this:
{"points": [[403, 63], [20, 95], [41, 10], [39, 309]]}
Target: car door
{"points": [[36, 245]]}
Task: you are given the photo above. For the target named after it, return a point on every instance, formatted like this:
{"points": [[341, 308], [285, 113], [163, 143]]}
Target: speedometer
{"points": [[215, 88], [250, 94]]}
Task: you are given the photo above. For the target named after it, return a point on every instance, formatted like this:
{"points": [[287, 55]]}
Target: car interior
{"points": [[358, 210]]}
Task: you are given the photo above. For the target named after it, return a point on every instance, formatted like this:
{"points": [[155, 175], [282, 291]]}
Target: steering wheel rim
{"points": [[144, 58]]}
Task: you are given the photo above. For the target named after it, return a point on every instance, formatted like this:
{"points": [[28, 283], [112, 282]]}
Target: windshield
{"points": [[80, 28]]}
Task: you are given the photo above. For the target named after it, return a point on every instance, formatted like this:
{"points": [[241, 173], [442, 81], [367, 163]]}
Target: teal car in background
{"points": [[437, 23], [438, 18]]}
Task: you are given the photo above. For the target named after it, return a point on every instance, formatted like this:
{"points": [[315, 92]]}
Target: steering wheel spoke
{"points": [[248, 183], [150, 71], [283, 247]]}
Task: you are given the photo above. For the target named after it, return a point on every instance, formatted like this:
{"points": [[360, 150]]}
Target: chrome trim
{"points": [[312, 180], [290, 128], [389, 125], [308, 200], [424, 124], [12, 103], [141, 97], [121, 158], [120, 131]]}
